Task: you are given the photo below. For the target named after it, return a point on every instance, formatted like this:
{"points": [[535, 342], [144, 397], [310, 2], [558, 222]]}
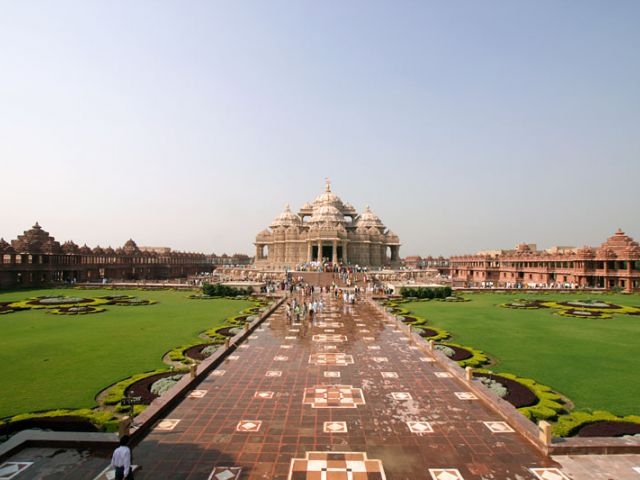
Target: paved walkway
{"points": [[346, 383]]}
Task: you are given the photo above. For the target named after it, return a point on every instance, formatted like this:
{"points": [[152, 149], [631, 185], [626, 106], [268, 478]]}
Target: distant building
{"points": [[237, 259], [36, 258], [415, 262], [327, 231], [615, 264]]}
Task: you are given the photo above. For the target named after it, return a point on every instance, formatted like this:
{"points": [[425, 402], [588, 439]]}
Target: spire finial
{"points": [[327, 188]]}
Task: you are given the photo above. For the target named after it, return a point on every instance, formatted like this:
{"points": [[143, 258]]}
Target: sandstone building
{"points": [[327, 230], [614, 264], [36, 258]]}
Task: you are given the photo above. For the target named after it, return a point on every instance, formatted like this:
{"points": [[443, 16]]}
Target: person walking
{"points": [[121, 460]]}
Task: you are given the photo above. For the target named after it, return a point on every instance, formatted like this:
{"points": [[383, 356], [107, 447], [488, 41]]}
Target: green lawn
{"points": [[62, 361], [593, 362]]}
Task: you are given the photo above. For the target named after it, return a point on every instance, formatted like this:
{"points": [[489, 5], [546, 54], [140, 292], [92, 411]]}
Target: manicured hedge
{"points": [[219, 290], [426, 292], [102, 420], [568, 425]]}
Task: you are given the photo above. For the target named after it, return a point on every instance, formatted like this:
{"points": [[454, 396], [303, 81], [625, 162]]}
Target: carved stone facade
{"points": [[328, 231], [36, 258], [615, 264]]}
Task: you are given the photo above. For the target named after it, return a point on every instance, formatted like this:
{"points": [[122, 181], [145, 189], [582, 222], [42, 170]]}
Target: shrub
{"points": [[219, 290], [210, 350], [164, 384], [426, 292], [449, 352], [496, 387]]}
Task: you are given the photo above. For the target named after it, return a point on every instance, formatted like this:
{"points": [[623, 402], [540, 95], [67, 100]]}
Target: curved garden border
{"points": [[569, 425], [549, 404], [105, 416]]}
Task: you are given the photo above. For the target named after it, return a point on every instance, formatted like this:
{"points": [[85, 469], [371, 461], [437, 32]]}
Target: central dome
{"points": [[328, 198]]}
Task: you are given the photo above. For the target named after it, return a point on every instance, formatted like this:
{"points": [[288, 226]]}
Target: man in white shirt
{"points": [[121, 460]]}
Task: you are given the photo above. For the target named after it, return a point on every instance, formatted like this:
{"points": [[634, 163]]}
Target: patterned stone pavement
{"points": [[343, 398], [347, 383]]}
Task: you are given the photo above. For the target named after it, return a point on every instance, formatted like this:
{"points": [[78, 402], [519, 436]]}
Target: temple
{"points": [[327, 231], [36, 258], [613, 265]]}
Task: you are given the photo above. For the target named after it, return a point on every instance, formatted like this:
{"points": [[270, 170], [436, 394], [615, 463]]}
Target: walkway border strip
{"points": [[529, 430]]}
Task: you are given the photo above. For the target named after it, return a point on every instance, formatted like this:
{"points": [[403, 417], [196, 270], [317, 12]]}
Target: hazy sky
{"points": [[465, 125]]}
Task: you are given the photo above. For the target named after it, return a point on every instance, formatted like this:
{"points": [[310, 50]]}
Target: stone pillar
{"points": [[193, 371], [468, 374], [258, 252], [123, 426], [334, 256], [545, 432], [309, 252], [344, 252], [319, 251]]}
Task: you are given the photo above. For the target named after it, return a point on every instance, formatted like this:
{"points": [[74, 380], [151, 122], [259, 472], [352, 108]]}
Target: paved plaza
{"points": [[345, 397]]}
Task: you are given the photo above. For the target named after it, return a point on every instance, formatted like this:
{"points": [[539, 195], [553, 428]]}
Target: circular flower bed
{"points": [[591, 304], [523, 304], [131, 302], [78, 310], [142, 388], [5, 308], [427, 332], [608, 429], [517, 394], [454, 352], [57, 301], [228, 331], [575, 313], [408, 319], [202, 351], [200, 296]]}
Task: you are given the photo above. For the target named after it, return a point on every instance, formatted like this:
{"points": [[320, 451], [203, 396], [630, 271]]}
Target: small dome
{"points": [[70, 247], [98, 250], [109, 251], [130, 247], [369, 219], [286, 219], [5, 247], [85, 250]]}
